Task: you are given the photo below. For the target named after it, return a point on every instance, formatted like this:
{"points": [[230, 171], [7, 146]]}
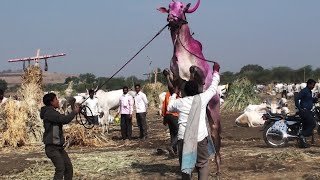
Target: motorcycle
{"points": [[278, 130]]}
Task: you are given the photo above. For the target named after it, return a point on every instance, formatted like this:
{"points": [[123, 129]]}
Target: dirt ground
{"points": [[244, 156]]}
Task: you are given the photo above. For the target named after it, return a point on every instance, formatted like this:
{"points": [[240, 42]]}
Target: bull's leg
{"points": [[105, 123], [213, 113], [169, 79], [197, 75], [174, 85]]}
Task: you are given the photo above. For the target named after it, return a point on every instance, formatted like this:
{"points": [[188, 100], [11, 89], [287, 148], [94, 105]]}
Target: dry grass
{"points": [[152, 91], [240, 95], [15, 129], [23, 123], [77, 135]]}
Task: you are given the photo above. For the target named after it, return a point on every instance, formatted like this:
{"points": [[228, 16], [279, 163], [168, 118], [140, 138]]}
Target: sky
{"points": [[100, 36]]}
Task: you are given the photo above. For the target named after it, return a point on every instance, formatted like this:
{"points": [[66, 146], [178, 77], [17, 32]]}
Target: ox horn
{"points": [[194, 8], [96, 89]]}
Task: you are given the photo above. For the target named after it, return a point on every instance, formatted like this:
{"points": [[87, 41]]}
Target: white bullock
{"points": [[250, 119], [252, 116], [303, 85], [109, 101], [279, 87]]}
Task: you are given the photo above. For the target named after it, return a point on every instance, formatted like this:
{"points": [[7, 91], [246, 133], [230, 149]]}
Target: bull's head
{"points": [[176, 12]]}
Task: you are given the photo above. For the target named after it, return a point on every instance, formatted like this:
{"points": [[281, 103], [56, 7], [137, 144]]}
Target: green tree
{"points": [[75, 80], [304, 73], [87, 78], [227, 77], [251, 68], [316, 74], [3, 85], [281, 74]]}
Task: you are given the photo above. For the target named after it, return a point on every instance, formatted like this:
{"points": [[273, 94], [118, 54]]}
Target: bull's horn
{"points": [[96, 89], [194, 8]]}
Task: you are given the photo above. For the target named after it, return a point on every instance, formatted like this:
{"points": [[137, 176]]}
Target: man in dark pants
{"points": [[194, 148], [304, 102], [94, 112], [125, 109], [53, 136], [171, 118], [141, 104]]}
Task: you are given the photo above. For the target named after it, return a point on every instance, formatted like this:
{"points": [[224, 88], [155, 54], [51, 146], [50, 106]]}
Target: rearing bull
{"points": [[188, 63]]}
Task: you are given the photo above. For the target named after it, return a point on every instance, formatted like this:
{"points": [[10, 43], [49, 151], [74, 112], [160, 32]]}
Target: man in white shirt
{"points": [[183, 107], [125, 109], [92, 103], [141, 104]]}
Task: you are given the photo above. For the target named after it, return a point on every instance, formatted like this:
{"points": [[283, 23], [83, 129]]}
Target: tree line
{"points": [[258, 75], [253, 72]]}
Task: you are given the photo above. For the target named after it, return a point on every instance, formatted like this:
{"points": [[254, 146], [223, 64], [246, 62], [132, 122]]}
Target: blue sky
{"points": [[100, 36]]}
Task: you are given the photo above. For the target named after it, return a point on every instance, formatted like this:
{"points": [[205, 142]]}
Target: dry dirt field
{"points": [[244, 156]]}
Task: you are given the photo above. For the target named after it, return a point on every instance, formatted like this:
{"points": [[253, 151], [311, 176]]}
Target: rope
{"points": [[178, 35], [99, 87]]}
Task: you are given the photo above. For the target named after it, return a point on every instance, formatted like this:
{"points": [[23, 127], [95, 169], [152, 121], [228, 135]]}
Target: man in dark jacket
{"points": [[304, 102], [53, 136]]}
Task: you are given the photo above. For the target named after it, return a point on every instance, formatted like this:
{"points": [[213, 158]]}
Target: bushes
{"points": [[240, 95]]}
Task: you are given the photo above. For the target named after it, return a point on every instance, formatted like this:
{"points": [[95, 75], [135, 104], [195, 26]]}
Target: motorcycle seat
{"points": [[293, 118], [275, 115]]}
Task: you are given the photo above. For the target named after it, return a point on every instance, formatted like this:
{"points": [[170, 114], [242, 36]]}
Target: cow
{"points": [[188, 63], [109, 101], [250, 119], [252, 115]]}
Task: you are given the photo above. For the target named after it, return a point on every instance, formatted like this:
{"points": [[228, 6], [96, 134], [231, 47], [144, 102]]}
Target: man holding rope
{"points": [[194, 141], [53, 136]]}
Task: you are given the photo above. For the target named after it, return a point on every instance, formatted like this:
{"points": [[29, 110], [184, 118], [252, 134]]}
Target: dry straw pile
{"points": [[23, 123], [15, 127], [77, 135], [152, 91]]}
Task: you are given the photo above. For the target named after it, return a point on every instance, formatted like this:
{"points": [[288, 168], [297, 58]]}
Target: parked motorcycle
{"points": [[278, 130]]}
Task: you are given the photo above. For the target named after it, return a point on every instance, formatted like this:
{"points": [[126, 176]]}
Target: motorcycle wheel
{"points": [[274, 139]]}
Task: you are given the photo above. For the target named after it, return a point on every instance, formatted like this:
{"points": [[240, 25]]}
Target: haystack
{"points": [[152, 90], [23, 123], [77, 135], [15, 133], [69, 91], [31, 94]]}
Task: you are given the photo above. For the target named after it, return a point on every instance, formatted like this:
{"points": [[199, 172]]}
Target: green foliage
{"points": [[55, 87], [257, 75], [75, 80], [227, 77], [3, 85], [251, 68], [240, 95], [87, 78]]}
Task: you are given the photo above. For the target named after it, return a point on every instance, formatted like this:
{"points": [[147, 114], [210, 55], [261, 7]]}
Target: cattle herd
{"points": [[252, 114]]}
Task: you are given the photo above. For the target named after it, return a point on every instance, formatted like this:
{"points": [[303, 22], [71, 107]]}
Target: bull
{"points": [[189, 63]]}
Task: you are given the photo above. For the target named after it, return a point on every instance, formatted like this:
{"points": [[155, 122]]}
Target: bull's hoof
{"points": [[166, 72], [192, 69]]}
